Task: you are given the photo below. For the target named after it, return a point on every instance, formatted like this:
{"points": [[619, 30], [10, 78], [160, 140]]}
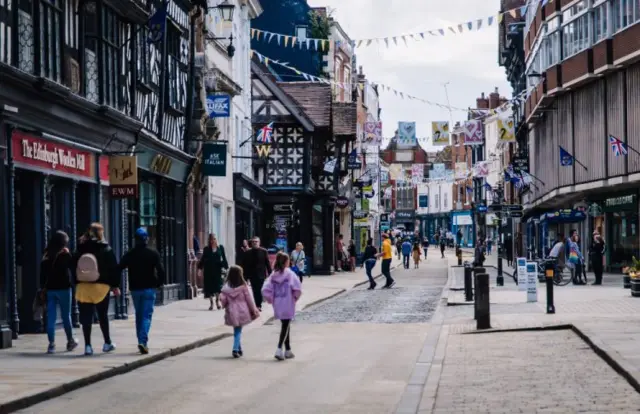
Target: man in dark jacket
{"points": [[256, 266], [146, 274]]}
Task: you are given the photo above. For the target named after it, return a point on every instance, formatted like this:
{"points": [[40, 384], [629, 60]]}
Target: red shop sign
{"points": [[50, 155]]}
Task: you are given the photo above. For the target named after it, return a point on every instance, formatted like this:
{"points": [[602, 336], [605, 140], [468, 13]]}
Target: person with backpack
{"points": [[97, 274], [146, 274], [55, 282]]}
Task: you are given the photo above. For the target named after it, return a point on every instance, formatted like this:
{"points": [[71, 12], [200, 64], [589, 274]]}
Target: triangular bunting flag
{"points": [[460, 28], [478, 24], [441, 31], [395, 40], [315, 42], [369, 42], [253, 33], [500, 17], [470, 25], [452, 30], [422, 35], [308, 43], [286, 41], [359, 43], [279, 37], [294, 40], [386, 41], [489, 20], [513, 13], [405, 40]]}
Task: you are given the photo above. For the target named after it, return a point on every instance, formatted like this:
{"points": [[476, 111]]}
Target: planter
{"points": [[635, 287], [626, 281]]}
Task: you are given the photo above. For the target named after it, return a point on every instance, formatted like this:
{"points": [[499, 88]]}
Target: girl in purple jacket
{"points": [[283, 289]]}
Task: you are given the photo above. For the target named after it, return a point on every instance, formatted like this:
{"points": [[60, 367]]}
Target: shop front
{"points": [[463, 221], [552, 224], [433, 223], [161, 210], [248, 196], [405, 220], [616, 219]]}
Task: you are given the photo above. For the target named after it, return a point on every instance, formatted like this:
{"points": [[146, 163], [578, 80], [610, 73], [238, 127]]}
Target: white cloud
{"points": [[468, 61]]}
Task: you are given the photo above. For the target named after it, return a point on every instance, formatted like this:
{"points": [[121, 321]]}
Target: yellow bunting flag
{"points": [[286, 41], [500, 17]]}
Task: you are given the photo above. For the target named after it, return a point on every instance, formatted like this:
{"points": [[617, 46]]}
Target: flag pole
{"points": [[573, 157]]}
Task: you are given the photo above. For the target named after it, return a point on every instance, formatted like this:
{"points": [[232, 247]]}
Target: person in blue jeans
{"points": [[406, 252], [369, 261], [55, 282], [146, 274]]}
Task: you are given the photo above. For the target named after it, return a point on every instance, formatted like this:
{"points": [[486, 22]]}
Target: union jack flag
{"points": [[264, 134], [618, 147]]}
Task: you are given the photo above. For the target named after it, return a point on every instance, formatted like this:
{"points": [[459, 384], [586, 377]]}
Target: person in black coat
{"points": [[213, 264], [597, 253], [256, 266]]}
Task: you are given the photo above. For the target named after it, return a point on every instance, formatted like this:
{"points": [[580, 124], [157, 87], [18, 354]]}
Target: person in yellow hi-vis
{"points": [[386, 261]]}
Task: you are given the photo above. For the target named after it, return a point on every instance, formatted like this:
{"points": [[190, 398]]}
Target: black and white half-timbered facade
{"points": [[300, 196], [81, 80]]}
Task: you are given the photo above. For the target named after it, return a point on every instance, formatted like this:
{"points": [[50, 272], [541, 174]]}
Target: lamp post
{"points": [[498, 199]]}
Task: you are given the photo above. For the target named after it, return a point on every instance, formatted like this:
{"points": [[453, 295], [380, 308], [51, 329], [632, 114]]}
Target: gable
{"points": [[264, 102]]}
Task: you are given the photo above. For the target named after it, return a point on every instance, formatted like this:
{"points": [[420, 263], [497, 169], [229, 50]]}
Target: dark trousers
{"points": [[405, 260], [368, 267], [386, 271], [597, 269], [442, 250], [256, 288], [285, 334], [86, 319], [578, 273]]}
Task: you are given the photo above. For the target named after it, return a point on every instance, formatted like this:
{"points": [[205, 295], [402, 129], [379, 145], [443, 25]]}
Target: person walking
{"points": [[339, 253], [478, 257], [399, 246], [406, 248], [298, 260], [352, 255], [386, 262], [282, 289], [425, 246], [369, 259], [146, 274], [239, 308], [213, 264], [55, 282], [596, 252], [416, 255], [443, 245], [489, 245], [575, 258], [97, 274], [256, 266]]}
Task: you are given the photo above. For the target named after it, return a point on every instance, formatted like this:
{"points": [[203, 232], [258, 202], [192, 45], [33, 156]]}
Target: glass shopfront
{"points": [[621, 237]]}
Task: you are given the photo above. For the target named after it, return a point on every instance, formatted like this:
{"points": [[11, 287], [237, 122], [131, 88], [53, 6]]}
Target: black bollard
{"points": [[459, 254], [549, 268], [500, 278], [483, 321], [476, 272], [468, 288]]}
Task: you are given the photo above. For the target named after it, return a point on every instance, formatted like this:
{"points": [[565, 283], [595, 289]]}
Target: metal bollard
{"points": [[483, 321], [549, 269], [500, 278], [468, 288], [476, 272]]}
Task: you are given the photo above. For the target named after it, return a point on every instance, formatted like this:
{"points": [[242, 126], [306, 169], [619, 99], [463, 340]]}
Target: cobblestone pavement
{"points": [[527, 372], [413, 300]]}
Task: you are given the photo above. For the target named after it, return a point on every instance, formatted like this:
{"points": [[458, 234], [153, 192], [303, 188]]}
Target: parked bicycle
{"points": [[560, 278]]}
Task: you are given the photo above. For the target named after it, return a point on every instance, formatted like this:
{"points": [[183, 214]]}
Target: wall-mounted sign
{"points": [[160, 164], [405, 215], [282, 208], [342, 202], [214, 159], [50, 155], [219, 106], [384, 217], [622, 202], [123, 176], [360, 214], [594, 210], [423, 201]]}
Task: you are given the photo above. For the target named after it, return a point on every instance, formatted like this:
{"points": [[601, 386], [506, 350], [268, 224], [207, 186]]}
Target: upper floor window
{"points": [[301, 33], [404, 197], [625, 13], [575, 36], [437, 199], [600, 22], [175, 68]]}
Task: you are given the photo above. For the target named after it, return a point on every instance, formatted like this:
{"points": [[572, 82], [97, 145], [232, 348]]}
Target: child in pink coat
{"points": [[283, 289], [237, 301]]}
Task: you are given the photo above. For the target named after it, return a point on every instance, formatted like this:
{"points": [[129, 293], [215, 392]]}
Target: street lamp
{"points": [[226, 10]]}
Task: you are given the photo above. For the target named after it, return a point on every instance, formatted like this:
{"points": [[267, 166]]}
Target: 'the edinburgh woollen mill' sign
{"points": [[123, 176]]}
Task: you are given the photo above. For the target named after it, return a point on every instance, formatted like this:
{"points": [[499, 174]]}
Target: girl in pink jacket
{"points": [[238, 305], [283, 289]]}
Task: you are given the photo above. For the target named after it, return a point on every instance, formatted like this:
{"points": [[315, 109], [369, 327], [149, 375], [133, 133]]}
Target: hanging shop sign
{"points": [[51, 156], [123, 176], [368, 191], [353, 161], [520, 164], [594, 210], [342, 202], [214, 159], [219, 106]]}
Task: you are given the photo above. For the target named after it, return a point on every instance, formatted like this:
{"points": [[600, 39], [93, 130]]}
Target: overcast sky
{"points": [[468, 61]]}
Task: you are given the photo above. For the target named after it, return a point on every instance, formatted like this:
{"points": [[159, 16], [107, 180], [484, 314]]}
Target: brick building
{"points": [[582, 58]]}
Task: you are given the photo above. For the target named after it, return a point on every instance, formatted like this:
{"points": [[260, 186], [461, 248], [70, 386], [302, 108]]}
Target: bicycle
{"points": [[560, 278]]}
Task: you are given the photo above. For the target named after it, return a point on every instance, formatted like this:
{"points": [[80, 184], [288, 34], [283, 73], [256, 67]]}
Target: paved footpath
{"points": [[26, 371]]}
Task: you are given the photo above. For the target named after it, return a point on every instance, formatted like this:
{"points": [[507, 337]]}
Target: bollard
{"points": [[476, 272], [483, 321], [468, 288], [459, 254], [500, 278], [549, 269]]}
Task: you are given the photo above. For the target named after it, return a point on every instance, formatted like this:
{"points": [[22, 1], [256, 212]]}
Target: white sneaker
{"points": [[279, 354], [289, 355]]}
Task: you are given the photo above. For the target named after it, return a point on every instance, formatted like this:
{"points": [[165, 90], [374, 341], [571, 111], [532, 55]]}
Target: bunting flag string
{"points": [[385, 88], [324, 45]]}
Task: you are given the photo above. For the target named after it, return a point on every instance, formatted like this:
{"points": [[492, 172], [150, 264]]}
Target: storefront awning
{"points": [[563, 216]]}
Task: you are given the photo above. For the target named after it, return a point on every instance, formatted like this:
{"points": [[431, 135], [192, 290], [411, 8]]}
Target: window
{"points": [[301, 33], [625, 13], [444, 199], [175, 69], [600, 22], [216, 217], [143, 66], [437, 198], [49, 58], [575, 36], [148, 216], [404, 198]]}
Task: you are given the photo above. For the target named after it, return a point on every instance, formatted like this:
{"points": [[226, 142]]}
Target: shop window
{"points": [[318, 235], [148, 216], [623, 238]]}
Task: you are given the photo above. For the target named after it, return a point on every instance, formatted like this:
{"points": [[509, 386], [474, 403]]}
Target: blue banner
{"points": [[219, 106]]}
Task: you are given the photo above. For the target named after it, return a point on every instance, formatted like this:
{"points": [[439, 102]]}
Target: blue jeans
{"points": [[143, 301], [60, 297], [237, 335], [368, 266]]}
